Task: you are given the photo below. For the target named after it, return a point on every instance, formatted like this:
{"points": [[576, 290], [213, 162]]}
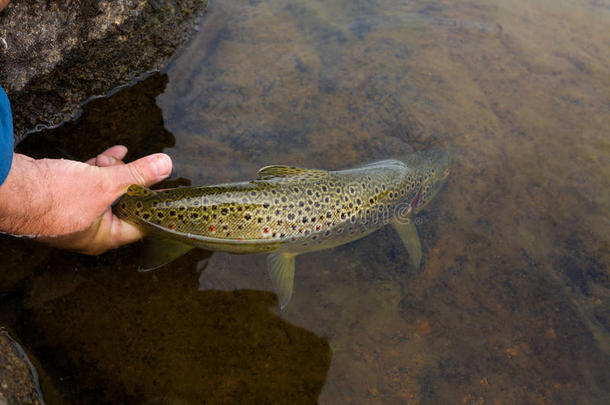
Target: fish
{"points": [[286, 211]]}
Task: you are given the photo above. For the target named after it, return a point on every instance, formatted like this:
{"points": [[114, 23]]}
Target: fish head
{"points": [[427, 171], [133, 206]]}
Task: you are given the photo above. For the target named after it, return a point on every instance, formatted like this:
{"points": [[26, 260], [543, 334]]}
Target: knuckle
{"points": [[136, 175]]}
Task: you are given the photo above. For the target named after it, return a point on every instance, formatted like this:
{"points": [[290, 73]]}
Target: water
{"points": [[512, 303]]}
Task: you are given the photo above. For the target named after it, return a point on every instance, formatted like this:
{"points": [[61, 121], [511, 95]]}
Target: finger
{"points": [[145, 171], [110, 157], [123, 233], [109, 233]]}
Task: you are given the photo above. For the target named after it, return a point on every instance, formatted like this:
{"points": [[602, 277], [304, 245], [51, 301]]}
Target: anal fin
{"points": [[160, 251], [281, 271], [408, 233]]}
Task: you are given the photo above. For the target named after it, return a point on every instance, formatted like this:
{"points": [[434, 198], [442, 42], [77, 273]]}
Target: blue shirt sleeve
{"points": [[6, 136]]}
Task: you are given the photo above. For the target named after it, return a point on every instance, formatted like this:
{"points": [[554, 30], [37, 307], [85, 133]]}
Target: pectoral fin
{"points": [[281, 270], [160, 251], [408, 233]]}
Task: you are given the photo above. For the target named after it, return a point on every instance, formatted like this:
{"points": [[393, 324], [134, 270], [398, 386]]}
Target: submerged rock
{"points": [[56, 55]]}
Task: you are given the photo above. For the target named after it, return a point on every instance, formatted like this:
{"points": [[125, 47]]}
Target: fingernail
{"points": [[162, 165]]}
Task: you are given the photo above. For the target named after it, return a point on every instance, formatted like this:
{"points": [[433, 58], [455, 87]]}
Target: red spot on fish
{"points": [[212, 229], [172, 226], [318, 227], [416, 199], [293, 238], [266, 230], [239, 239]]}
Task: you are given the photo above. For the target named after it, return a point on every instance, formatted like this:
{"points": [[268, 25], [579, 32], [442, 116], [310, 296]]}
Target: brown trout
{"points": [[287, 211]]}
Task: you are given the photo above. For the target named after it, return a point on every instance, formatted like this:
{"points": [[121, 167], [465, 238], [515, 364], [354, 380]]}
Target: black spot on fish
{"points": [[146, 215], [159, 215], [304, 220], [194, 215], [224, 211], [247, 217], [259, 220], [291, 216]]}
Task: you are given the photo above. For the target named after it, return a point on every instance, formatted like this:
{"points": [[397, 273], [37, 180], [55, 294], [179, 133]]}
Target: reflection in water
{"points": [[511, 304], [119, 336], [129, 117]]}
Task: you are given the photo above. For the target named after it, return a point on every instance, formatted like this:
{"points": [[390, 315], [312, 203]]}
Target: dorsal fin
{"points": [[139, 191], [270, 172]]}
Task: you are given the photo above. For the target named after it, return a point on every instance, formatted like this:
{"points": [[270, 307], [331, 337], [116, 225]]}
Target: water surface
{"points": [[512, 302]]}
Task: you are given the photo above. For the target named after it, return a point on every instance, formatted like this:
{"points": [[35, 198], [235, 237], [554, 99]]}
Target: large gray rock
{"points": [[18, 378], [56, 55]]}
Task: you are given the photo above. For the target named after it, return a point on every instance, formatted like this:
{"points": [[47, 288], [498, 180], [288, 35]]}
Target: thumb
{"points": [[144, 172]]}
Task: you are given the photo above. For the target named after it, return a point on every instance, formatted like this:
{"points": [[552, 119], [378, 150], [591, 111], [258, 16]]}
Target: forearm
{"points": [[22, 203]]}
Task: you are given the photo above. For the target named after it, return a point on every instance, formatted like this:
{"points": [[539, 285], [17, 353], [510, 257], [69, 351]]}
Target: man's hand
{"points": [[67, 204]]}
